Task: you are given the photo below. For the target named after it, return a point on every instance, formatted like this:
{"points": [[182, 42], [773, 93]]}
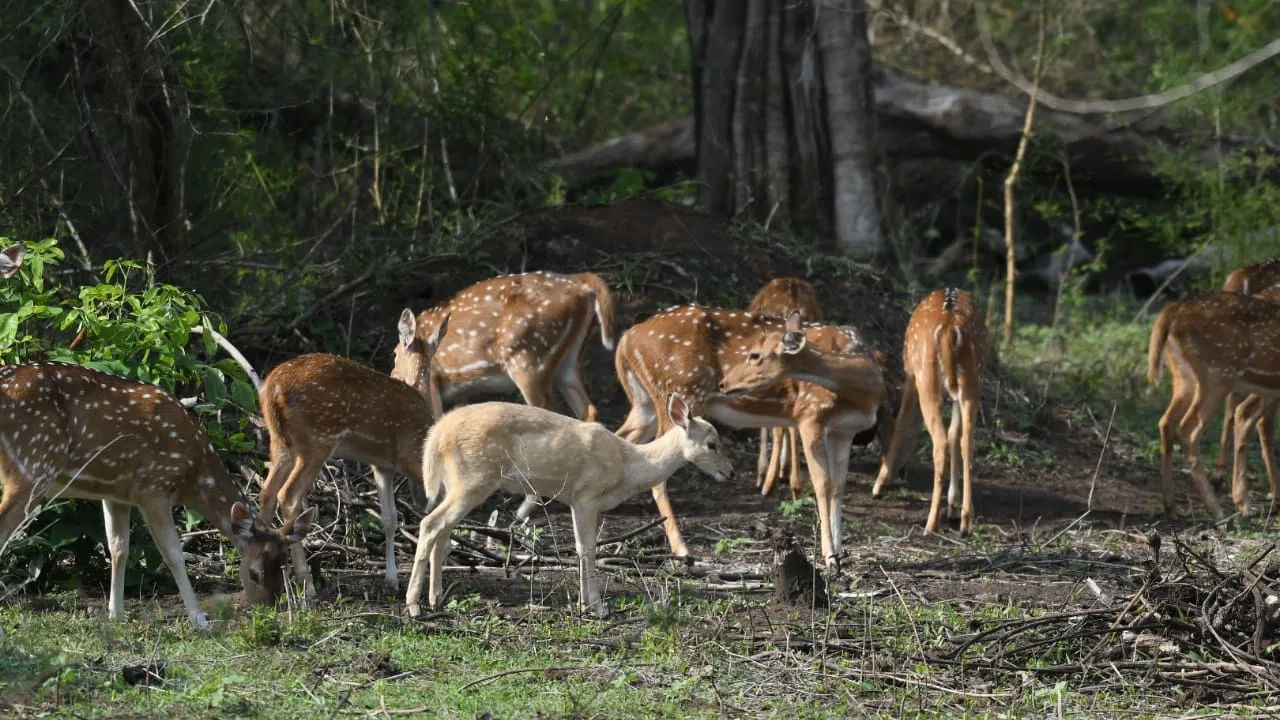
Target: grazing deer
{"points": [[687, 349], [779, 298], [318, 406], [1214, 344], [1255, 279], [522, 332], [943, 355], [477, 450], [68, 431]]}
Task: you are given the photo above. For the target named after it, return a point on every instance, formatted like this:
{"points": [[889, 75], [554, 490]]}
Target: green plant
{"points": [[790, 508]]}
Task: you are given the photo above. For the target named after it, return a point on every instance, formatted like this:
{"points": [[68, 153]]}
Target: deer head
{"points": [[413, 354], [765, 359], [701, 443], [264, 551]]}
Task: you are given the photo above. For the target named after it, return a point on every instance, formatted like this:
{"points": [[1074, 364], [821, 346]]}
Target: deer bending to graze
{"points": [[1257, 279], [687, 349], [523, 332], [318, 406], [1214, 344], [477, 450], [943, 354], [779, 298], [74, 432]]}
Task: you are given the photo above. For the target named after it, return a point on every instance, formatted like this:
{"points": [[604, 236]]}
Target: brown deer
{"points": [[522, 332], [943, 354], [1253, 279], [476, 450], [319, 406], [687, 349], [69, 431], [779, 298], [1214, 344]]}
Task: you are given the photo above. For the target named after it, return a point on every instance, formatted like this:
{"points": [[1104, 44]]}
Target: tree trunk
{"points": [[783, 116]]}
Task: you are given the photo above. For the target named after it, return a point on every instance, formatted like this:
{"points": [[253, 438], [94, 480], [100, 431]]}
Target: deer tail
{"points": [[604, 306], [432, 467], [950, 340], [1159, 333]]}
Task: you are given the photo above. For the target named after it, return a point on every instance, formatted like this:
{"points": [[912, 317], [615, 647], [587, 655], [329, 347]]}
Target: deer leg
{"points": [[969, 406], [569, 381], [19, 497], [1266, 433], [115, 517], [534, 387], [159, 518], [1228, 415], [385, 480], [776, 459], [904, 432], [1245, 416], [669, 523], [433, 549], [282, 468], [291, 497], [838, 449], [586, 524], [953, 460], [1179, 401], [790, 442], [811, 437], [1190, 429], [931, 409], [764, 460]]}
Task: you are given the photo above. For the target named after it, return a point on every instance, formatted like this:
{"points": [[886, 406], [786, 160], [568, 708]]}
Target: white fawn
{"points": [[943, 354], [687, 349], [780, 297], [477, 450], [318, 406], [1216, 343]]}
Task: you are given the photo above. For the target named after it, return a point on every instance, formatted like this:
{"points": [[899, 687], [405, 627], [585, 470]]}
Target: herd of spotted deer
{"points": [[810, 387]]}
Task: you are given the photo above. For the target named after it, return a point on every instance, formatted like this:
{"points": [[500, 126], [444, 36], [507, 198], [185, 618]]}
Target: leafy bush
{"points": [[127, 325]]}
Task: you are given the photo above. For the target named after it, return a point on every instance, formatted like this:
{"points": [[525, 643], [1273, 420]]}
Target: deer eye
{"points": [[754, 357], [255, 576], [713, 446]]}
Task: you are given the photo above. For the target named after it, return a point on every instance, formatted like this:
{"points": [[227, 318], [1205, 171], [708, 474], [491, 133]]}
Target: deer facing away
{"points": [[479, 449], [779, 298], [1259, 279], [944, 353], [317, 406], [74, 432]]}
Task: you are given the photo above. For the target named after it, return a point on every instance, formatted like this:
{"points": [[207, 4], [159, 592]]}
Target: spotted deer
{"points": [[318, 406], [1253, 279], [476, 450], [779, 298], [687, 349], [522, 332], [69, 431], [943, 354], [1214, 344]]}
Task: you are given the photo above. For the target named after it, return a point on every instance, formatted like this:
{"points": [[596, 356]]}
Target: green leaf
{"points": [[215, 390], [244, 395]]}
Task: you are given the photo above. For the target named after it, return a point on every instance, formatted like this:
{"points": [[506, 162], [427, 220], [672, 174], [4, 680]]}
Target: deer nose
{"points": [[722, 386]]}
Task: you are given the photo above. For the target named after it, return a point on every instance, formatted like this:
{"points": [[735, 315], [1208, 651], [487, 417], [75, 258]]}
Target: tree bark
{"points": [[846, 62], [783, 115]]}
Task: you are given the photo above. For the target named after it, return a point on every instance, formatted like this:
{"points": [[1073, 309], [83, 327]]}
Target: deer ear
{"points": [[438, 335], [793, 342], [241, 521], [678, 410], [408, 327], [301, 525], [11, 259]]}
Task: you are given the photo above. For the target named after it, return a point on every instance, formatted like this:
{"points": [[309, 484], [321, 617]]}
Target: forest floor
{"points": [[1060, 604]]}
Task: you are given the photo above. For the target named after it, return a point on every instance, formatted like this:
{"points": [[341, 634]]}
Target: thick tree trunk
{"points": [[783, 115]]}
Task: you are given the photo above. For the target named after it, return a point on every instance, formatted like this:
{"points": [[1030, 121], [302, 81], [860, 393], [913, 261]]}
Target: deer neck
{"points": [[213, 495], [650, 464], [840, 373]]}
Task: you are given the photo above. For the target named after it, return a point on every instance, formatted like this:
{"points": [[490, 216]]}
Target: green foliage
{"points": [[134, 327]]}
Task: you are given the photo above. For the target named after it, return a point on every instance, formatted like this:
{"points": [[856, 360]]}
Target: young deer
{"points": [[1256, 279], [477, 450], [318, 406], [779, 298], [1214, 344], [68, 431], [522, 332], [943, 354], [687, 349]]}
